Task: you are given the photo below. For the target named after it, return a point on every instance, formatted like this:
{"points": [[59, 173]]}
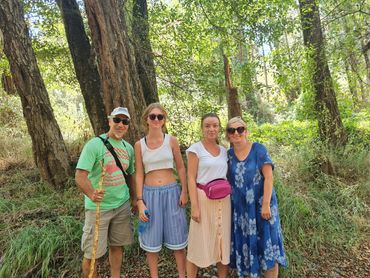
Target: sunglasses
{"points": [[231, 130], [125, 121], [152, 117]]}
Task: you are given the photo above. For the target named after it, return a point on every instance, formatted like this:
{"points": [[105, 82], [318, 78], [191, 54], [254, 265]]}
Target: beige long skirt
{"points": [[209, 240]]}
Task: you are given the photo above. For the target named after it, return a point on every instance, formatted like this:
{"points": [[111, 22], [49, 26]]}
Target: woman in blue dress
{"points": [[256, 237]]}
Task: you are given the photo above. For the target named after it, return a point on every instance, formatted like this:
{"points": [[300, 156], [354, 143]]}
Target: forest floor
{"points": [[330, 263], [45, 209]]}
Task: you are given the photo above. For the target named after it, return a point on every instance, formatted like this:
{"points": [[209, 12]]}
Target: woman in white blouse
{"points": [[210, 224]]}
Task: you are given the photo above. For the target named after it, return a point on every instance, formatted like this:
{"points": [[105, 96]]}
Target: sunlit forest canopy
{"points": [[262, 39]]}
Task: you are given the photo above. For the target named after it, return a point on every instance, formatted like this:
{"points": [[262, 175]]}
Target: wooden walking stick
{"points": [[97, 221]]}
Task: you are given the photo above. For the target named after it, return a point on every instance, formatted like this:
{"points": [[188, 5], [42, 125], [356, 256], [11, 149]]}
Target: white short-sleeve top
{"points": [[209, 167]]}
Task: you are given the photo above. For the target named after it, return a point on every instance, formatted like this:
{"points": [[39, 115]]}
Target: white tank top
{"points": [[159, 158]]}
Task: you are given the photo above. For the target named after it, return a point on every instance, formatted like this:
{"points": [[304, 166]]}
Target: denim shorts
{"points": [[167, 221]]}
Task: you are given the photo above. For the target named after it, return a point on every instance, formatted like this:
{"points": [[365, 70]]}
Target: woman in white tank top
{"points": [[158, 193]]}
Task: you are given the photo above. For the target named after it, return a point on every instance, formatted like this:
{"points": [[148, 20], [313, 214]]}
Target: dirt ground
{"points": [[330, 263]]}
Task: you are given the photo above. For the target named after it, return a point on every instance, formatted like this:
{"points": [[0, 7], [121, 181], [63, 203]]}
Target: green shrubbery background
{"points": [[40, 228]]}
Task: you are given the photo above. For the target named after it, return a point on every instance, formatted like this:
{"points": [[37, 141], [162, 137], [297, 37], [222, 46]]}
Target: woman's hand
{"points": [[195, 214], [142, 208], [183, 198], [265, 211]]}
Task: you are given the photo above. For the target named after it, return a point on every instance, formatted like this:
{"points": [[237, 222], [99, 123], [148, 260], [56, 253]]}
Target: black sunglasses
{"points": [[125, 121], [152, 117], [231, 130]]}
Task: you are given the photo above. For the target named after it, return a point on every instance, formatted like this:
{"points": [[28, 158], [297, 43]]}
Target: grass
{"points": [[320, 211], [38, 248], [40, 228]]}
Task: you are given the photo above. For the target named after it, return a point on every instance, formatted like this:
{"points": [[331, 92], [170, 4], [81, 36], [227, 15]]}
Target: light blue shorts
{"points": [[167, 220]]}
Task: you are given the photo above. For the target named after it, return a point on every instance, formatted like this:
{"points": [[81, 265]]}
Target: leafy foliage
{"points": [[263, 40]]}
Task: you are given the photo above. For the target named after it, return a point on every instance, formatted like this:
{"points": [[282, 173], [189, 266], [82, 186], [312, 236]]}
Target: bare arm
{"points": [[181, 171], [131, 187], [192, 185], [267, 190], [85, 186], [139, 177]]}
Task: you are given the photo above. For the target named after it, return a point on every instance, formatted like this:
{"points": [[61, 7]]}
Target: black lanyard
{"points": [[113, 152]]}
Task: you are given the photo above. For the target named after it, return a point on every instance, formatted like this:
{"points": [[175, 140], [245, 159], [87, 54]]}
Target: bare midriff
{"points": [[159, 177]]}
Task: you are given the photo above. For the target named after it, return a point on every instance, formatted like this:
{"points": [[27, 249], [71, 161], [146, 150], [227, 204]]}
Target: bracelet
{"points": [[140, 199]]}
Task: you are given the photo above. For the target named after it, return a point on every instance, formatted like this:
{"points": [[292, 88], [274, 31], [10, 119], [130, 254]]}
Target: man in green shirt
{"points": [[115, 227]]}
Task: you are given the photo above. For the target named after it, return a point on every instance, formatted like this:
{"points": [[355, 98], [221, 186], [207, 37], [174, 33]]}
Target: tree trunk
{"points": [[8, 84], [351, 82], [265, 67], [143, 51], [49, 150], [234, 109], [365, 49], [84, 64], [353, 63], [331, 129], [119, 78]]}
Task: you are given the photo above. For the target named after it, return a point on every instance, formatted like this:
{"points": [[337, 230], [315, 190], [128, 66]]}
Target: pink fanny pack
{"points": [[216, 189]]}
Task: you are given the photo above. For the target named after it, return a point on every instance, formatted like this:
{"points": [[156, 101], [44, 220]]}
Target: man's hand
{"points": [[97, 195], [134, 207]]}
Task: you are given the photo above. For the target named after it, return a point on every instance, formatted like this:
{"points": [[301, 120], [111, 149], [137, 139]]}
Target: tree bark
{"points": [[84, 64], [351, 82], [119, 78], [143, 51], [331, 129], [233, 104], [49, 150], [8, 84], [365, 49]]}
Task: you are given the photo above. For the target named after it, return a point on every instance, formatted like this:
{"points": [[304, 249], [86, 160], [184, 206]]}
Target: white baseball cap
{"points": [[119, 111]]}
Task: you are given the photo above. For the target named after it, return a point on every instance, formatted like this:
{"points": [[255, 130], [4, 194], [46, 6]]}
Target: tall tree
{"points": [[49, 150], [84, 64], [143, 51], [119, 77], [365, 49], [331, 129], [233, 104]]}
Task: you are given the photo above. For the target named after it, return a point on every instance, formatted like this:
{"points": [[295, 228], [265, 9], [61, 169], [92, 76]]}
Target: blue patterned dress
{"points": [[256, 244]]}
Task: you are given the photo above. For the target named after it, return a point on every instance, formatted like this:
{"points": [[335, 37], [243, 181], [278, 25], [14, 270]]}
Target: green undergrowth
{"points": [[40, 228], [320, 211], [43, 248]]}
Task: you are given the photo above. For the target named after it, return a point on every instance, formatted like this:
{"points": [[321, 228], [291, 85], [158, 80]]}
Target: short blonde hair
{"points": [[146, 113], [233, 121]]}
